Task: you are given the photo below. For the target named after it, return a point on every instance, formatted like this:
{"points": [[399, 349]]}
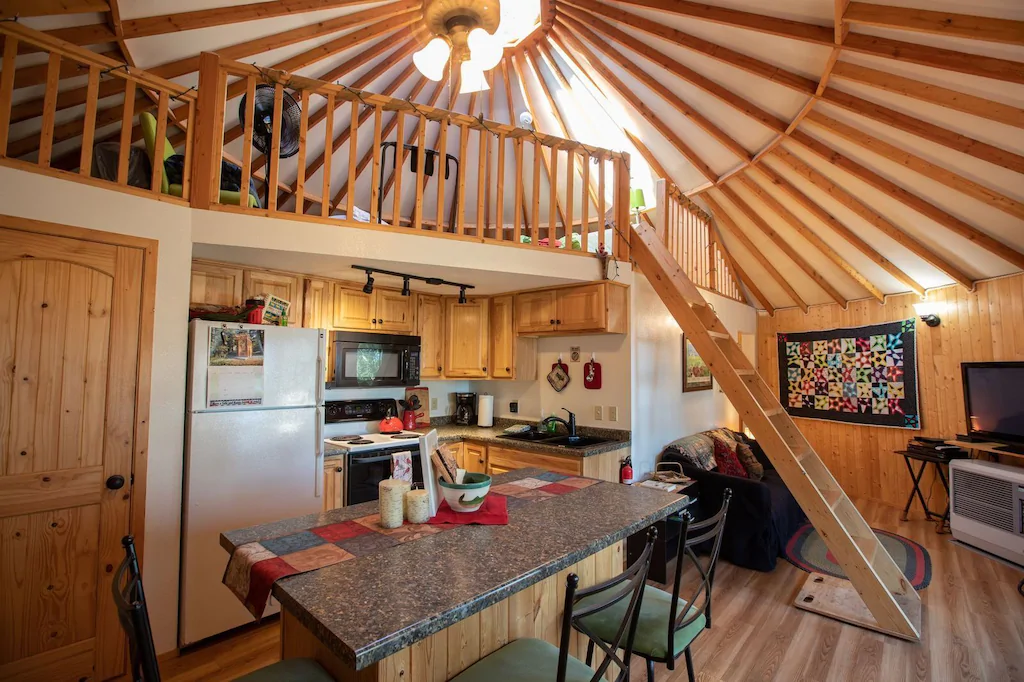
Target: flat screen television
{"points": [[994, 399]]}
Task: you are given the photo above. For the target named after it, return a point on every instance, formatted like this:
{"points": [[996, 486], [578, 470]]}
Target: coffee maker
{"points": [[465, 409]]}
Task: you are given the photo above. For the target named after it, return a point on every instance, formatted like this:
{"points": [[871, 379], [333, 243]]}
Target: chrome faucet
{"points": [[569, 425]]}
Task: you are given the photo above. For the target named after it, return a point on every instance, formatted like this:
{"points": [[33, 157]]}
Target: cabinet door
{"points": [[581, 308], [508, 460], [394, 312], [334, 484], [503, 338], [466, 339], [316, 314], [535, 312], [458, 451], [288, 287], [475, 457], [353, 309], [214, 284], [430, 328]]}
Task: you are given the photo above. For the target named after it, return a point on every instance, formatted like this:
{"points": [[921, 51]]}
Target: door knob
{"points": [[115, 482]]}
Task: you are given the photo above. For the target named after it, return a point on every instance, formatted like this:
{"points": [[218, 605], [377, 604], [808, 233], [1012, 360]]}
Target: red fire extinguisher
{"points": [[626, 471]]}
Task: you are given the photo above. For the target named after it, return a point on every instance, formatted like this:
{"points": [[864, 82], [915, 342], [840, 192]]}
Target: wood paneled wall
{"points": [[984, 325]]}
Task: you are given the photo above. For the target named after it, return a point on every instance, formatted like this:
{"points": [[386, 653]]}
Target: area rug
{"points": [[860, 375], [807, 551]]}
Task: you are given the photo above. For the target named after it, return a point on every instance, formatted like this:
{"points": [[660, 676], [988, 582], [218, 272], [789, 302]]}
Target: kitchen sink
{"points": [[530, 436], [577, 441]]}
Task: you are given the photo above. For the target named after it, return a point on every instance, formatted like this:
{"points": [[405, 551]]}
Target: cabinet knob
{"points": [[508, 369], [558, 322], [439, 368], [374, 320], [485, 369], [552, 321], [481, 461]]}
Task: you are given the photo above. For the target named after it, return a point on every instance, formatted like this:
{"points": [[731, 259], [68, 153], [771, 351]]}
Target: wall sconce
{"points": [[929, 312]]}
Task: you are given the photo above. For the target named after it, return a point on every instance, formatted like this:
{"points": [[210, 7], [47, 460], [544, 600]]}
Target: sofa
{"points": [[763, 515]]}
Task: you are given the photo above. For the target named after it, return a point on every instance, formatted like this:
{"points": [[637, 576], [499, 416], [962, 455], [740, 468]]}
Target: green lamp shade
{"points": [[636, 199]]}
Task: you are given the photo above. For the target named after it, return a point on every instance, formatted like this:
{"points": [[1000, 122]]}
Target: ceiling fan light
{"points": [[472, 78], [485, 50], [431, 59]]}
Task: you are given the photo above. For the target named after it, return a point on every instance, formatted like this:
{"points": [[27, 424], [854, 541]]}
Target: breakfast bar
{"points": [[426, 605]]}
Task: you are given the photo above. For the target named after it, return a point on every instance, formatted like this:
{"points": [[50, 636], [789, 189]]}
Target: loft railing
{"points": [[495, 191], [43, 129], [690, 236]]}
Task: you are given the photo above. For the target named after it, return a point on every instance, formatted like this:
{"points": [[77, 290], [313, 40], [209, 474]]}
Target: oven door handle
{"points": [[363, 460]]}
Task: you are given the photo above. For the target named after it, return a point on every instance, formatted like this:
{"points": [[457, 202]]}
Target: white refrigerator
{"points": [[253, 453]]}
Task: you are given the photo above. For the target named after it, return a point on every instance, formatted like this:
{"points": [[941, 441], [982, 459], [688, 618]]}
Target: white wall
{"points": [[661, 412], [43, 198]]}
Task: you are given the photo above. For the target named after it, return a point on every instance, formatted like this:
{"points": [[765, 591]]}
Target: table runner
{"points": [[254, 567]]}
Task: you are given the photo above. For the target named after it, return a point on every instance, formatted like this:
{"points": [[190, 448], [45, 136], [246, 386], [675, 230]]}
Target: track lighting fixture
{"points": [[406, 278], [368, 287], [405, 287], [462, 294]]}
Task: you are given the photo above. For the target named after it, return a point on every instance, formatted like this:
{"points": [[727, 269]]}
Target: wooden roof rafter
{"points": [[987, 29]]}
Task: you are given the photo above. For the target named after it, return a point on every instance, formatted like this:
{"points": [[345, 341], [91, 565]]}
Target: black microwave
{"points": [[365, 360]]}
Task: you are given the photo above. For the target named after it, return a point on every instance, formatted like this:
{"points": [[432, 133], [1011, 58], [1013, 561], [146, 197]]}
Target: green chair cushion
{"points": [[524, 660], [651, 638], [289, 670]]}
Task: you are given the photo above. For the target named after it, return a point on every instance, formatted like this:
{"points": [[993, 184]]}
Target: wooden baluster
{"points": [[535, 213], [396, 210], [250, 104], [553, 198], [207, 123], [7, 90], [353, 159], [517, 209], [570, 172], [375, 153], [421, 160], [499, 204], [623, 229], [712, 264], [190, 138], [585, 207], [157, 179], [128, 113], [601, 207], [300, 178], [49, 110], [92, 90], [439, 170], [325, 171], [461, 188], [275, 148], [481, 185]]}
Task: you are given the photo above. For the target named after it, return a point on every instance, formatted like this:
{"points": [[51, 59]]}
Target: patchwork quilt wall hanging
{"points": [[861, 375]]}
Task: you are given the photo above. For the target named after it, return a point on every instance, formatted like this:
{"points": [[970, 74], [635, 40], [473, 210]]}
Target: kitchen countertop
{"points": [[368, 608], [448, 433]]}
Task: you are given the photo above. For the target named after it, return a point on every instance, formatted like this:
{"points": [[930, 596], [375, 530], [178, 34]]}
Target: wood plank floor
{"points": [[973, 628]]}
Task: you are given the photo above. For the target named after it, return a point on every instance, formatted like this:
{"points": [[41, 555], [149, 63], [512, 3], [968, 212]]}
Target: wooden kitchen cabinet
{"points": [[475, 457], [317, 311], [394, 312], [500, 460], [458, 451], [430, 328], [535, 312], [282, 285], [467, 338], [353, 309], [334, 483], [512, 356], [215, 284], [581, 309]]}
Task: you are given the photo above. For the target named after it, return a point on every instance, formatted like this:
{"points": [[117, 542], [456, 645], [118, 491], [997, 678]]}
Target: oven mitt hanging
{"points": [[592, 374], [558, 377]]}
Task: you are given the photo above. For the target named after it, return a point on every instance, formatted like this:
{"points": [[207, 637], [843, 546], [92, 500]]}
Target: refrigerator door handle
{"points": [[320, 370], [318, 469]]}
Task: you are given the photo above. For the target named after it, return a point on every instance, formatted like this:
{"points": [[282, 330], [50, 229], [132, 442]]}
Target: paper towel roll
{"points": [[485, 410]]}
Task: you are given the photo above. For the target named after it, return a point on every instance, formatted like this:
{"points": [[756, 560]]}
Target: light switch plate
{"points": [[433, 403], [613, 413], [513, 407], [597, 413]]}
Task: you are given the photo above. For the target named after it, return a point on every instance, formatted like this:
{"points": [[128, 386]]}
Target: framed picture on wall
{"points": [[696, 373]]}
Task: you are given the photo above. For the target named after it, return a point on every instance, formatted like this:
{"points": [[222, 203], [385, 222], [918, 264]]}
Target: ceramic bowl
{"points": [[469, 495]]}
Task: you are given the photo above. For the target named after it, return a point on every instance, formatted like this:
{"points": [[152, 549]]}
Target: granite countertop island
{"points": [[368, 611]]}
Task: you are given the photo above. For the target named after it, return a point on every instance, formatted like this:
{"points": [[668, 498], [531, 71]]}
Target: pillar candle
{"points": [[392, 502], [417, 506]]}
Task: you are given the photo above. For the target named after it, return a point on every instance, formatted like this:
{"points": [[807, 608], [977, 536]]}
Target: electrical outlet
{"points": [[613, 413], [597, 413], [513, 407], [433, 403]]}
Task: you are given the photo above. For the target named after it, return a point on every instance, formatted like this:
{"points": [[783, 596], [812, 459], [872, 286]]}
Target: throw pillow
{"points": [[725, 434], [728, 462], [697, 450], [746, 456]]}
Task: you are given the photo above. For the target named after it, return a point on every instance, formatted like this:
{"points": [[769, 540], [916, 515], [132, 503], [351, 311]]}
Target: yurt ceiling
{"points": [[845, 149]]}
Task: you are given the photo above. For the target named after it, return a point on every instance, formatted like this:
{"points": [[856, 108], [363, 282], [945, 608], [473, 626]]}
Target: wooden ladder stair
{"points": [[892, 604]]}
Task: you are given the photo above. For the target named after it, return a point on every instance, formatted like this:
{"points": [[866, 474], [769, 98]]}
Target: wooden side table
{"points": [[942, 525]]}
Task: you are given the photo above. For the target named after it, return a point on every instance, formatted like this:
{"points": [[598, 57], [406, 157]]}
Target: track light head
{"points": [[405, 287], [368, 287], [462, 294]]}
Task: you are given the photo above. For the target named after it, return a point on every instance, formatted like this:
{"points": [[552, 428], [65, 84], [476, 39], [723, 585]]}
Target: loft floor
{"points": [[972, 628]]}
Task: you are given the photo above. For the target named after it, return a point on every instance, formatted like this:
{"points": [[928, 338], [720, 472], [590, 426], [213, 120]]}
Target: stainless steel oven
{"points": [[364, 360]]}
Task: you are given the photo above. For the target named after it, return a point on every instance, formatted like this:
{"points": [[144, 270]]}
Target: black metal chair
{"points": [[667, 625], [528, 660], [131, 610]]}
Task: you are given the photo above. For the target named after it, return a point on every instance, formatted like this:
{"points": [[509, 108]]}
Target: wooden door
{"points": [[475, 457], [503, 338], [215, 284], [466, 338], [394, 312], [581, 308], [535, 312], [288, 287], [72, 312], [353, 309], [430, 329]]}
